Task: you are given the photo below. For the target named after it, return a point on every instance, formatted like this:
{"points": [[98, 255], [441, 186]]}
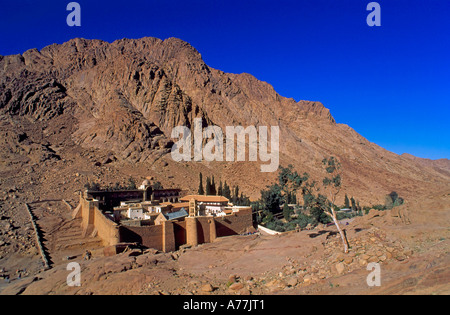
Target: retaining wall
{"points": [[165, 237], [95, 223]]}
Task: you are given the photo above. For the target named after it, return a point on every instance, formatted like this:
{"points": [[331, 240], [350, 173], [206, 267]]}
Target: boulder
{"points": [[207, 288], [340, 268], [236, 286], [292, 281]]}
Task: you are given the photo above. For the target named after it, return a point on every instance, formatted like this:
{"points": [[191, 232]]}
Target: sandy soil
{"points": [[411, 246]]}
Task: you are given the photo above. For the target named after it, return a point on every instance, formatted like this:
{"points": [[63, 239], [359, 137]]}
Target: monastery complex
{"points": [[159, 218]]}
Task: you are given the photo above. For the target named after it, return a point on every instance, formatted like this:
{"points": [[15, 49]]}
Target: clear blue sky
{"points": [[390, 83]]}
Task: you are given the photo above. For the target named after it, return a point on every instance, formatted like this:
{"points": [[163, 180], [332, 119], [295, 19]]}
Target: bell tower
{"points": [[192, 207]]}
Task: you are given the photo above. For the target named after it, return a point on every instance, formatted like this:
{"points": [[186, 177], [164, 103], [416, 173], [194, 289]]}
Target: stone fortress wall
{"points": [[168, 236]]}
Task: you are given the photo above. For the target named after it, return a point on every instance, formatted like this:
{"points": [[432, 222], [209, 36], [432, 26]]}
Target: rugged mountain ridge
{"points": [[122, 100]]}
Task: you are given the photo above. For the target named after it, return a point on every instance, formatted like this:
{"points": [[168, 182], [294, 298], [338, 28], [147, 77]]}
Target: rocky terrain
{"points": [[91, 111], [411, 248], [113, 105]]}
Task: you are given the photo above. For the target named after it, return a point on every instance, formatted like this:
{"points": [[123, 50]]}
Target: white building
{"points": [[135, 213], [208, 205]]}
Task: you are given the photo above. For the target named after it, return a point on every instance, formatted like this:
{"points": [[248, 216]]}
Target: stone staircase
{"points": [[62, 236]]}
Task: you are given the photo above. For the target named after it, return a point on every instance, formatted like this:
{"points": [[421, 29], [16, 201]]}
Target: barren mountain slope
{"points": [[88, 111], [89, 100]]}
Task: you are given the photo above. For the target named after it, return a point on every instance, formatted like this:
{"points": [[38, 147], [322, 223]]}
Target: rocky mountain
{"points": [[90, 110], [441, 165]]}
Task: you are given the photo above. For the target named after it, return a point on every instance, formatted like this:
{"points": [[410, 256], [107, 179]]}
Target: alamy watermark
{"points": [[74, 277], [374, 17], [374, 277], [74, 17], [215, 150]]}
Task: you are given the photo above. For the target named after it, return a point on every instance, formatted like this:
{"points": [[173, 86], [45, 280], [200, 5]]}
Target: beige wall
{"points": [[93, 221], [106, 229], [162, 237]]}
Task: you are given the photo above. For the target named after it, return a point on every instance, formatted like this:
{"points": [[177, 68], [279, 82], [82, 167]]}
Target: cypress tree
{"points": [[208, 186], [226, 191], [201, 191], [346, 202], [353, 203], [131, 184], [220, 189], [213, 187], [236, 194]]}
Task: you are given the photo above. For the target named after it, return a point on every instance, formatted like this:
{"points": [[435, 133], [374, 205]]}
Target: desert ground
{"points": [[89, 111], [409, 242]]}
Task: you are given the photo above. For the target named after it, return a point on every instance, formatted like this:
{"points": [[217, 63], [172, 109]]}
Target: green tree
{"points": [[235, 198], [393, 200], [220, 189], [353, 204], [201, 191], [93, 186], [394, 195], [287, 212], [333, 182], [346, 202], [208, 186], [157, 185], [117, 186], [291, 197], [131, 184], [226, 191], [271, 198], [309, 189], [213, 187], [290, 181], [244, 200], [267, 217], [399, 201], [318, 205], [308, 200], [302, 220]]}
